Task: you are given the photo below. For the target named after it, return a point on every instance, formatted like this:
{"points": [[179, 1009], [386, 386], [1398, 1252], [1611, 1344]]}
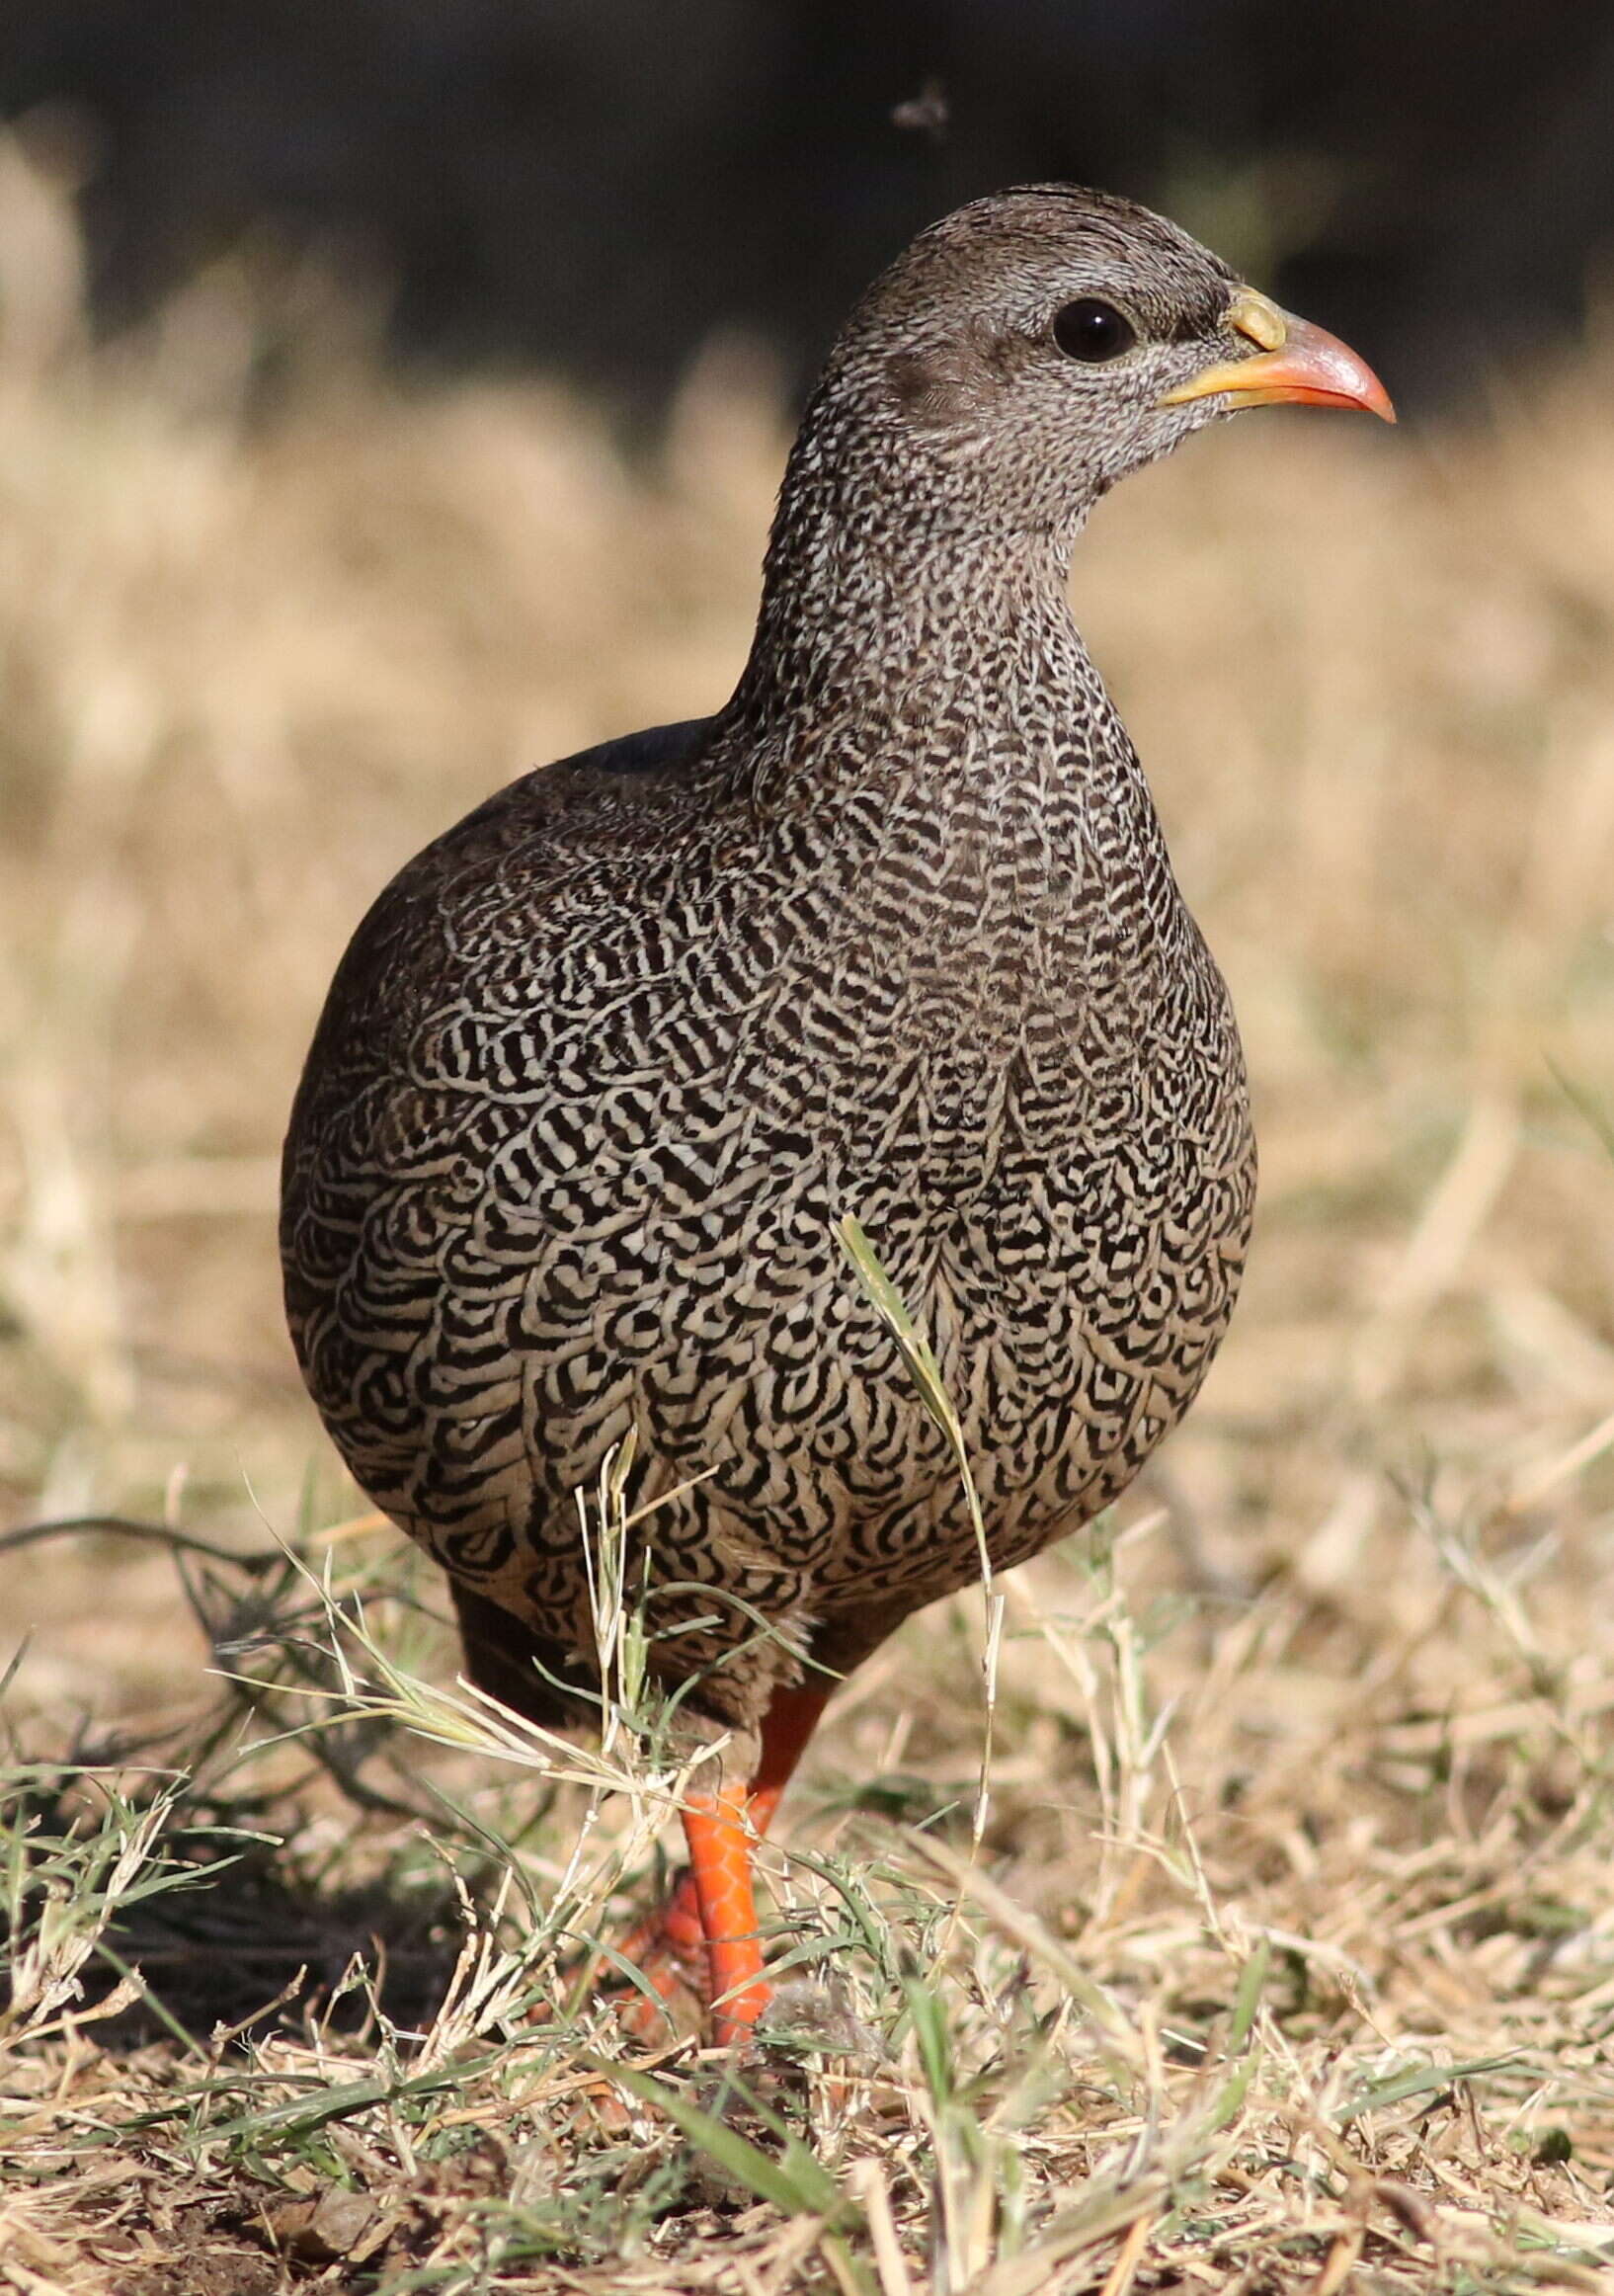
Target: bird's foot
{"points": [[674, 1957], [704, 1940], [669, 1952]]}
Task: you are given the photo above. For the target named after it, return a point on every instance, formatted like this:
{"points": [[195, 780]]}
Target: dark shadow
{"points": [[231, 1917]]}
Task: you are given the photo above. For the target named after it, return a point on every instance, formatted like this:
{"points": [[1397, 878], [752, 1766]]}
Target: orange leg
{"points": [[791, 1718], [712, 1904], [719, 1839]]}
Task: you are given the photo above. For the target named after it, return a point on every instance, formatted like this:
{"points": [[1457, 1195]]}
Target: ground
{"points": [[1285, 1955]]}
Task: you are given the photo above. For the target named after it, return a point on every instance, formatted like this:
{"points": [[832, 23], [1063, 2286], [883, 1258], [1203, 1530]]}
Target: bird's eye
{"points": [[1092, 331]]}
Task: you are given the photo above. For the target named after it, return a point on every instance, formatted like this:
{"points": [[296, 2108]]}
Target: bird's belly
{"points": [[1074, 1303], [1072, 1328]]}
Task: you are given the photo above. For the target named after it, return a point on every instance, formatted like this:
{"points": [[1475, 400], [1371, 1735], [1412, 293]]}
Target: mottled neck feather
{"points": [[893, 571]]}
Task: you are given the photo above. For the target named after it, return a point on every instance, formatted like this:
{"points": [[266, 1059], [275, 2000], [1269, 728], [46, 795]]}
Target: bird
{"points": [[892, 936]]}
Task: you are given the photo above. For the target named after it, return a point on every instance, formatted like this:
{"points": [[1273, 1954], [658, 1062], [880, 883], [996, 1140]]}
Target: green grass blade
{"points": [[795, 2182]]}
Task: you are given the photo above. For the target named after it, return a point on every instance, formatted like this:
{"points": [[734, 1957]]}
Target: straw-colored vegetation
{"points": [[1287, 1953]]}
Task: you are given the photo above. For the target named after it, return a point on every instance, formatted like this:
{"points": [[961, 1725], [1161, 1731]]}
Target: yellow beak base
{"points": [[1293, 362]]}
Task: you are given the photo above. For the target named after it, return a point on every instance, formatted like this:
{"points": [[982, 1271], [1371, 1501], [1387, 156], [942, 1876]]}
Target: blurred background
{"points": [[598, 186], [392, 396]]}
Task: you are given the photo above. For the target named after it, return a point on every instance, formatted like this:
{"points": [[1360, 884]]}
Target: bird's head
{"points": [[1033, 347]]}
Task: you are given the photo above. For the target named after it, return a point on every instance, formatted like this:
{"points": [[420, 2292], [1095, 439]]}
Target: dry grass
{"points": [[1289, 1952]]}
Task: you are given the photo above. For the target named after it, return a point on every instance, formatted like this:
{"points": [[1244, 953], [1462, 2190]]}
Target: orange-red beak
{"points": [[1294, 360]]}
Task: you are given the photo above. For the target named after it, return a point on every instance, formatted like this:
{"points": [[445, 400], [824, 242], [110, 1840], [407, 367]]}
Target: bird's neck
{"points": [[892, 593], [917, 680]]}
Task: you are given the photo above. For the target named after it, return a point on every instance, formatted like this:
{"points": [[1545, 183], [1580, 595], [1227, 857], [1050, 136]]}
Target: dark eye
{"points": [[1092, 331]]}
